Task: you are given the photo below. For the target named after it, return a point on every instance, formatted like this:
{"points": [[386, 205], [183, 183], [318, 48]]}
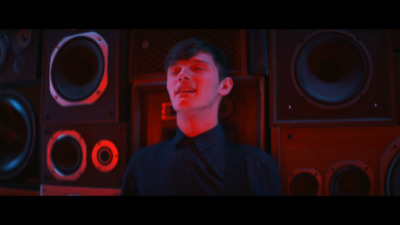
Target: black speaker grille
{"points": [[150, 47], [19, 55]]}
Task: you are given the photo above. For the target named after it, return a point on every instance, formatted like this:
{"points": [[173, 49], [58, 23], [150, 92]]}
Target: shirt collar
{"points": [[202, 141]]}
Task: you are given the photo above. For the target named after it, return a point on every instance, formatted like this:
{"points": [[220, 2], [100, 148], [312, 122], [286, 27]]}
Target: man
{"points": [[199, 160]]}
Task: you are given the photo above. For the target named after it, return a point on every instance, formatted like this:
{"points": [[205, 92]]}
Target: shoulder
{"points": [[151, 149]]}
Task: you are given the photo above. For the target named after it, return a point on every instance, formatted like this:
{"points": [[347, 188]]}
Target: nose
{"points": [[183, 74]]}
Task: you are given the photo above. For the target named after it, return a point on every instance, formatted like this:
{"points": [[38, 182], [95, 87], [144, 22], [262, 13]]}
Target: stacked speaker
{"points": [[334, 111], [76, 104], [84, 137], [20, 108]]}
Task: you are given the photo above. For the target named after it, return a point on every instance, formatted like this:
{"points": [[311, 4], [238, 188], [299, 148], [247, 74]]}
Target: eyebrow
{"points": [[198, 61]]}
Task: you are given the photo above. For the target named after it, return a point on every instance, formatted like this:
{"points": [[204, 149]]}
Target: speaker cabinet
{"points": [[241, 113], [338, 161], [84, 76], [331, 77], [20, 108], [19, 55], [79, 157], [149, 48]]}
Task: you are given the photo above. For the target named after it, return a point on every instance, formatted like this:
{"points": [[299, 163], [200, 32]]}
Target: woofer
{"points": [[17, 133], [392, 183], [331, 69], [350, 179], [78, 69]]}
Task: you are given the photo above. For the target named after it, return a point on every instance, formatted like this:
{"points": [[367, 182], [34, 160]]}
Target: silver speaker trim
{"points": [[97, 38], [50, 165]]}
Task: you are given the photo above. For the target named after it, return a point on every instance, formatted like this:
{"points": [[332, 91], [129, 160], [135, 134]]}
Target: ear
{"points": [[225, 86]]}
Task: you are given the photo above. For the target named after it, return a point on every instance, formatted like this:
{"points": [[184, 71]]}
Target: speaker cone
{"points": [[331, 69], [66, 155], [78, 69], [393, 178], [350, 180], [17, 133], [305, 182]]}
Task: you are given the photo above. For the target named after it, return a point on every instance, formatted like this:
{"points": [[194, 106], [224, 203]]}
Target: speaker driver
{"points": [[66, 155], [105, 156], [392, 179], [331, 69], [305, 182], [78, 69], [350, 180], [17, 133], [21, 40]]}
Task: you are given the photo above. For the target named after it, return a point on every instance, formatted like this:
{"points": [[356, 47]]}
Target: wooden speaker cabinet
{"points": [[362, 160]]}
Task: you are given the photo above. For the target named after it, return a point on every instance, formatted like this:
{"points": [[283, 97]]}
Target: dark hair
{"points": [[188, 48]]}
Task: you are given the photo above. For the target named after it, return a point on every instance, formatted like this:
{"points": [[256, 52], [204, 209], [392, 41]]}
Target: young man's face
{"points": [[193, 84]]}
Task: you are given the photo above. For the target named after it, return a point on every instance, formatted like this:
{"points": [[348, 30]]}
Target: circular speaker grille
{"points": [[17, 133], [66, 155], [393, 178], [331, 69], [350, 180]]}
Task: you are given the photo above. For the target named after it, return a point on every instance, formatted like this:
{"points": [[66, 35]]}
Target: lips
{"points": [[185, 89]]}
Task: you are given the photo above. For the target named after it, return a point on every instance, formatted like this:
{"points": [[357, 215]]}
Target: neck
{"points": [[194, 124]]}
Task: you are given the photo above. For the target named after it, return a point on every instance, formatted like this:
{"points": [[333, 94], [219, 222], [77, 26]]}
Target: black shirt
{"points": [[196, 166]]}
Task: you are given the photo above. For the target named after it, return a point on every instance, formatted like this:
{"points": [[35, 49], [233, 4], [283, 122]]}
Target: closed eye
{"points": [[173, 71], [198, 67]]}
